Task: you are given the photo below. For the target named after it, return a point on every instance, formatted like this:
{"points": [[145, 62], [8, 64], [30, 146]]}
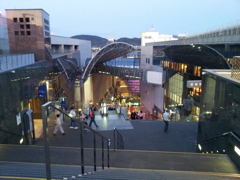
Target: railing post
{"points": [[114, 141], [108, 152], [46, 140], [82, 147], [102, 153], [94, 145]]}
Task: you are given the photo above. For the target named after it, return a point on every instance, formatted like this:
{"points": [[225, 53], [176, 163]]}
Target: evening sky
{"points": [[129, 18]]}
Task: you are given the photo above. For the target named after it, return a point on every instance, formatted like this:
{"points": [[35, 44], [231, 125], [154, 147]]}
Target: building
{"points": [[39, 68], [219, 127], [28, 31]]}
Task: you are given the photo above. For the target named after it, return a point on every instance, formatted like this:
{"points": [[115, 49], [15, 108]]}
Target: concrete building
{"points": [[28, 31], [153, 36]]}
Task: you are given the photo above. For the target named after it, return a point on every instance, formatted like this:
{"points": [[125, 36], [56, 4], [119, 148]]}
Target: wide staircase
{"points": [[148, 153]]}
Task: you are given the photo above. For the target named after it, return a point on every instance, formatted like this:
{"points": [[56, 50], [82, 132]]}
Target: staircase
{"points": [[149, 154]]}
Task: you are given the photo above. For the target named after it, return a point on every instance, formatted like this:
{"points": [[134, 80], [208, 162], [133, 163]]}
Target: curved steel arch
{"points": [[198, 55], [107, 53]]}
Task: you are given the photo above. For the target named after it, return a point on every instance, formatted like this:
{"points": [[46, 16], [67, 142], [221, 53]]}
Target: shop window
{"points": [[21, 26], [21, 20], [22, 33], [27, 26], [27, 20], [15, 20], [16, 33], [28, 33]]}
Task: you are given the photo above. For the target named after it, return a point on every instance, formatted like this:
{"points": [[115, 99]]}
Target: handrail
{"points": [[82, 125], [120, 139], [224, 134], [10, 132]]}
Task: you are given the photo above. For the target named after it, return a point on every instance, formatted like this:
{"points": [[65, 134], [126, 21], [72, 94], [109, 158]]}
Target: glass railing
{"points": [[227, 143]]}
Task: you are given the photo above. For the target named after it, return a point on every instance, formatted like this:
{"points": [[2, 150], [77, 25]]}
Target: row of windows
{"points": [[228, 32], [22, 26], [22, 33], [21, 20], [195, 70]]}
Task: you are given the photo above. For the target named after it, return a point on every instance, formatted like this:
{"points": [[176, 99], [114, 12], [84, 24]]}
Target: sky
{"points": [[129, 18]]}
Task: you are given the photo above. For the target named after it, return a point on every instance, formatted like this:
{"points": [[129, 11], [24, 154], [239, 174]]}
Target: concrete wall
{"points": [[66, 44]]}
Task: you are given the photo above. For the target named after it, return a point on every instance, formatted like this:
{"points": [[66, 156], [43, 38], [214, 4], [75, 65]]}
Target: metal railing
{"points": [[118, 140], [46, 108]]}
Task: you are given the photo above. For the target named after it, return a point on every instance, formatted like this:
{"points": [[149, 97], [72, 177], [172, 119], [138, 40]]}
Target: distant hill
{"points": [[100, 42], [133, 41]]}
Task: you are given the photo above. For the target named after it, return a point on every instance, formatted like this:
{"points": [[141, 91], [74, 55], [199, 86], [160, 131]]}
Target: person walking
{"points": [[84, 119], [58, 125], [166, 118], [73, 122], [92, 116]]}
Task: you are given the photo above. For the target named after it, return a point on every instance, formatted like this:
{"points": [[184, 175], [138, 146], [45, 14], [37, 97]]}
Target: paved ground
{"points": [[138, 134]]}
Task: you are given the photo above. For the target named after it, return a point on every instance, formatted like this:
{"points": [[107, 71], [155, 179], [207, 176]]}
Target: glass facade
{"points": [[220, 114], [175, 90], [18, 88], [131, 60]]}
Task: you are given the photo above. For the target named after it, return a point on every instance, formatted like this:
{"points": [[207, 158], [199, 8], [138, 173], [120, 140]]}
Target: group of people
{"points": [[91, 114], [138, 115]]}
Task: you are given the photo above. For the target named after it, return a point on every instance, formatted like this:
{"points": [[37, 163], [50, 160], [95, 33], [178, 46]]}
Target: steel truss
{"points": [[107, 53]]}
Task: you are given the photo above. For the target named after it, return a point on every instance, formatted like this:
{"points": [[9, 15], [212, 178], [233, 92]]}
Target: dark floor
{"points": [[138, 134]]}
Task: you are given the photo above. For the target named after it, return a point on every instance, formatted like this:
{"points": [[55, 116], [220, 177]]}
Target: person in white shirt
{"points": [[166, 118], [58, 125], [73, 115]]}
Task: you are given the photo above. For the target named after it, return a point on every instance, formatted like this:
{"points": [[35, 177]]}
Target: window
{"points": [[28, 33], [16, 33], [47, 33], [21, 26], [32, 18], [15, 20], [20, 19], [27, 20], [46, 27], [27, 26], [46, 21], [22, 33]]}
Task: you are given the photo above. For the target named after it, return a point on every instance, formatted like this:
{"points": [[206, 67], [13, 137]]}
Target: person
{"points": [[73, 122], [84, 119], [58, 125], [92, 116], [140, 114], [133, 115], [166, 118]]}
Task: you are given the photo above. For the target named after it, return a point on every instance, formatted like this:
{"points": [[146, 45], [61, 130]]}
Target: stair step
{"points": [[32, 170]]}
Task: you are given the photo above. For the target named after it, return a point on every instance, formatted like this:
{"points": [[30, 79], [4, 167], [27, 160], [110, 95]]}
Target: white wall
{"points": [[84, 47]]}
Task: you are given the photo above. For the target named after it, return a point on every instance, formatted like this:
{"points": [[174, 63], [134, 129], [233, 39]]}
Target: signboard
{"points": [[42, 91], [18, 117]]}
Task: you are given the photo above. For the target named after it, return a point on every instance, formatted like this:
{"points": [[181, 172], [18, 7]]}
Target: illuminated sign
{"points": [[194, 83]]}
